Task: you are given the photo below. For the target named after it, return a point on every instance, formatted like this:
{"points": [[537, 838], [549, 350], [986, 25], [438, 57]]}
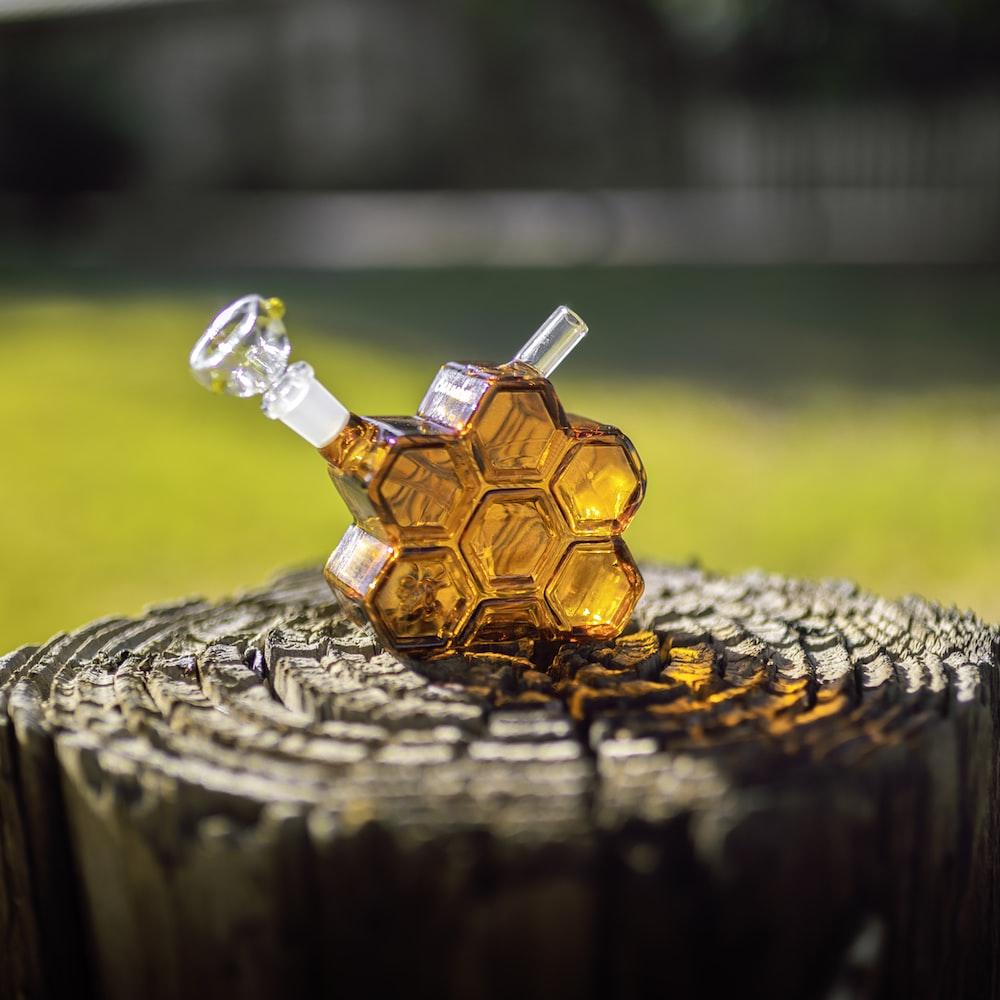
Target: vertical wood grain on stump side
{"points": [[20, 969], [53, 887], [470, 916]]}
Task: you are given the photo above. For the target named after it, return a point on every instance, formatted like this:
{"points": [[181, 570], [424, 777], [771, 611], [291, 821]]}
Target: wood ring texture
{"points": [[766, 786]]}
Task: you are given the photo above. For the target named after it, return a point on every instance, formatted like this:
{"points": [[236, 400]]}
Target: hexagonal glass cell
{"points": [[515, 436], [355, 495], [356, 562], [504, 619], [454, 394], [422, 489], [424, 598], [349, 606], [597, 487], [511, 537], [596, 587]]}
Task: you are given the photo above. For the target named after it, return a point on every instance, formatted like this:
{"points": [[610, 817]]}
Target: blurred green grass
{"points": [[124, 483]]}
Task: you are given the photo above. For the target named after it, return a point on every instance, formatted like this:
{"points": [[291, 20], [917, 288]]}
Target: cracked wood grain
{"points": [[765, 785]]}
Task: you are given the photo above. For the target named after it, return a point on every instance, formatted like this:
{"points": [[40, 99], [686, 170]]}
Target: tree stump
{"points": [[766, 787]]}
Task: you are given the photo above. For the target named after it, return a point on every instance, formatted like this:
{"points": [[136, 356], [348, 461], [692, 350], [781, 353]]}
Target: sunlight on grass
{"points": [[124, 483]]}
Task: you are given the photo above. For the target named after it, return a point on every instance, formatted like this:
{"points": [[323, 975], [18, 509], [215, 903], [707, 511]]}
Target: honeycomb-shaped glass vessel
{"points": [[491, 516]]}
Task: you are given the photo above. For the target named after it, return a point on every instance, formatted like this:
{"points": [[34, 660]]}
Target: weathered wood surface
{"points": [[767, 787]]}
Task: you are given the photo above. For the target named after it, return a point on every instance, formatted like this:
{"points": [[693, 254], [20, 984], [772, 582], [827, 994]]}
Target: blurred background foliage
{"points": [[781, 219]]}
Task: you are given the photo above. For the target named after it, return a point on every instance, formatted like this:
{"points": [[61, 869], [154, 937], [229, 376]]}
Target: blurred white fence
{"points": [[543, 228]]}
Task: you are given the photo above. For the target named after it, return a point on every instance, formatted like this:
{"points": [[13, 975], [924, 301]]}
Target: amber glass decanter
{"points": [[490, 516]]}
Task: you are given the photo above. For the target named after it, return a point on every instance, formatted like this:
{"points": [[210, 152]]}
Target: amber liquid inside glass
{"points": [[491, 516]]}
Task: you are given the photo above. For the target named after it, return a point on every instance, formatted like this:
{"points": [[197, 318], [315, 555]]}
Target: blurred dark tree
{"points": [[835, 48], [64, 124], [261, 94]]}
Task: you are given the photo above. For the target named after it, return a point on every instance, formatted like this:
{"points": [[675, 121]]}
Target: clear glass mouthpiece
{"points": [[552, 341]]}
